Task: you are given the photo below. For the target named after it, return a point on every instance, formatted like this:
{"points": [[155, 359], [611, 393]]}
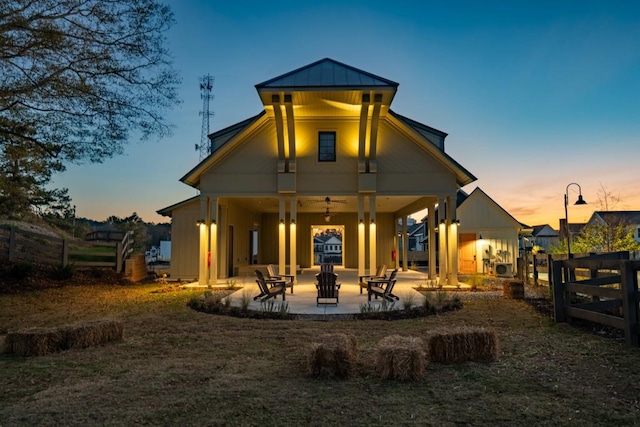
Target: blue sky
{"points": [[533, 94]]}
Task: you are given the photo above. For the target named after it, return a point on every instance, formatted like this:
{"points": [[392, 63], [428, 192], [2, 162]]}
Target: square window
{"points": [[326, 146]]}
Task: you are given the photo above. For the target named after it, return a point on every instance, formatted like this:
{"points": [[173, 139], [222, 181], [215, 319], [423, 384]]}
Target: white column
{"points": [[452, 241], [213, 242], [372, 234], [282, 236], [203, 234], [292, 238], [442, 243], [361, 236], [431, 233], [405, 245]]}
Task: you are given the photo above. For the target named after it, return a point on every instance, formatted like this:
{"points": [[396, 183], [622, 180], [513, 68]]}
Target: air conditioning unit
{"points": [[504, 269]]}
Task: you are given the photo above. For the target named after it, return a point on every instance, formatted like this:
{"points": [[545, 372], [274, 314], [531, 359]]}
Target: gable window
{"points": [[326, 146]]}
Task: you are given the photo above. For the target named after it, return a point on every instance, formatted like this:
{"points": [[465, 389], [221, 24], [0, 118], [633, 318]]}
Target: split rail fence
{"points": [[599, 288], [18, 245]]}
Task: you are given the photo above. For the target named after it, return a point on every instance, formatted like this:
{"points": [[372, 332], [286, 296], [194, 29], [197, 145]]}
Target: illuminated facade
{"points": [[327, 150]]}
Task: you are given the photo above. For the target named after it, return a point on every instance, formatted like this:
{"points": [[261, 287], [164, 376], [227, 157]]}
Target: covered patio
{"points": [[303, 300]]}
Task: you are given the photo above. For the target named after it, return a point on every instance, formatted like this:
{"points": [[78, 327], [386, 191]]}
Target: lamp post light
{"points": [[580, 201]]}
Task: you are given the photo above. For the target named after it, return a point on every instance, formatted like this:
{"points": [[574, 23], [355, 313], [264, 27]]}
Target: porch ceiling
{"points": [[339, 204]]}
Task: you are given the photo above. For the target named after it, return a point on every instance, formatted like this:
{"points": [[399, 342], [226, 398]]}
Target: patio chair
{"points": [[266, 291], [383, 288], [380, 274], [325, 268], [272, 271], [327, 288]]}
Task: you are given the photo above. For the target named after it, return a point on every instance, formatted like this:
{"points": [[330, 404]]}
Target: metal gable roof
{"points": [[326, 73]]}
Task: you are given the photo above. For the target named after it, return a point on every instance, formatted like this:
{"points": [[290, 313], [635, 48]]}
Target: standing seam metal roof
{"points": [[326, 73]]}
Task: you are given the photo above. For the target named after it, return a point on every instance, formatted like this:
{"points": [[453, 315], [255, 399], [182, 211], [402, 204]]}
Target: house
{"points": [[326, 151], [613, 218], [545, 236]]}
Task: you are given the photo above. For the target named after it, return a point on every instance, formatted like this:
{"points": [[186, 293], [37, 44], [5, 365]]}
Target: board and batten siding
{"points": [[184, 241]]}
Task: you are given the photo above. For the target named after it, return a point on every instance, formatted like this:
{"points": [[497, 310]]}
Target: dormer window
{"points": [[326, 146]]}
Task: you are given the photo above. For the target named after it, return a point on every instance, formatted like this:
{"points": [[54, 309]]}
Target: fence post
{"points": [[65, 252], [556, 284], [629, 304], [12, 244], [119, 257], [535, 270]]}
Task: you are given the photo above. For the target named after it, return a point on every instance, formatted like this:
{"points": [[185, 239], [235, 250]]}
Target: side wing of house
{"points": [[488, 235]]}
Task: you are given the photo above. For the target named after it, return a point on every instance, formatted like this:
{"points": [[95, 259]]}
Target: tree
{"points": [[132, 223], [611, 236], [79, 77], [607, 199]]}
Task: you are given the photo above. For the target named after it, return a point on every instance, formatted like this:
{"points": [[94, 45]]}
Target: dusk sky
{"points": [[533, 94]]}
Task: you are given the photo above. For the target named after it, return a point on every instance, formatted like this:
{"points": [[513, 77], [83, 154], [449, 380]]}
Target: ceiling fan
{"points": [[327, 213]]}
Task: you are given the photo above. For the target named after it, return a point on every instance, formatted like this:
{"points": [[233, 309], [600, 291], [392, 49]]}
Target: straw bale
{"points": [[462, 345], [400, 358], [34, 341], [93, 332], [333, 355], [513, 289], [41, 341]]}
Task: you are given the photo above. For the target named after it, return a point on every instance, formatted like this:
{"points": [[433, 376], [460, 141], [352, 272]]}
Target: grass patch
{"points": [[178, 366]]}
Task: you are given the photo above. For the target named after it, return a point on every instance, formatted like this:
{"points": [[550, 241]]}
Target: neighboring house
{"points": [[545, 236], [332, 250], [574, 229], [326, 132], [629, 218]]}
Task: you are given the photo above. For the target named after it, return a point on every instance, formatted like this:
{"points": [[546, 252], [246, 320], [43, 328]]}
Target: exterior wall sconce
{"points": [[200, 222], [293, 221], [213, 222], [373, 220], [361, 221], [281, 221]]}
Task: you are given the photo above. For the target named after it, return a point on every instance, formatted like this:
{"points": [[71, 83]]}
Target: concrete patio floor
{"points": [[303, 300]]}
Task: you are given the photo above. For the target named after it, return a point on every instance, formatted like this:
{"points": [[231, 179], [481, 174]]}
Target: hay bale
{"points": [[462, 345], [400, 357], [333, 355], [513, 289], [34, 341], [93, 333], [41, 341]]}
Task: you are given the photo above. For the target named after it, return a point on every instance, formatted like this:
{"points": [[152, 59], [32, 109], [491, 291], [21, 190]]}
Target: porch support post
{"points": [[361, 236], [279, 121], [213, 242], [431, 233], [282, 238], [442, 243], [203, 234], [372, 234], [452, 240], [292, 237], [405, 244], [291, 134]]}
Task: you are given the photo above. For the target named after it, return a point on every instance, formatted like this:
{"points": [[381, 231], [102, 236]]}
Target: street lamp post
{"points": [[580, 201]]}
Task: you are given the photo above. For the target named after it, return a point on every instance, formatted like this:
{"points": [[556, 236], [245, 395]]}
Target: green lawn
{"points": [[180, 367]]}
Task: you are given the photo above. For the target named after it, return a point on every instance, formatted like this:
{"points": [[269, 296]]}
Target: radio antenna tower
{"points": [[206, 85]]}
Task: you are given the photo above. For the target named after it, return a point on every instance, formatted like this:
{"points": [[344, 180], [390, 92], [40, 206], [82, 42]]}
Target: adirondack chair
{"points": [[327, 288], [325, 268], [383, 288], [266, 291], [272, 271], [380, 274]]}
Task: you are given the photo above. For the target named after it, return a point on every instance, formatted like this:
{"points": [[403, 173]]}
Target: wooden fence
{"points": [[599, 288], [18, 245]]}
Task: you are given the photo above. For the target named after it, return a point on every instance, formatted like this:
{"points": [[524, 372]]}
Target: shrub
{"points": [[63, 272], [22, 270]]}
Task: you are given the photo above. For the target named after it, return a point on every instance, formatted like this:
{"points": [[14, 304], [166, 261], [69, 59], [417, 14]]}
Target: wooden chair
{"points": [[380, 274], [327, 288], [272, 271], [383, 288], [277, 287]]}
